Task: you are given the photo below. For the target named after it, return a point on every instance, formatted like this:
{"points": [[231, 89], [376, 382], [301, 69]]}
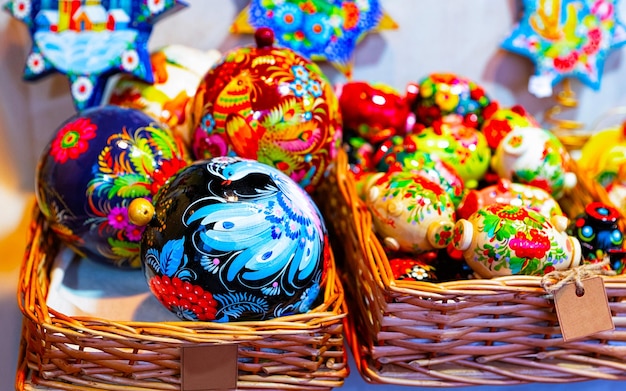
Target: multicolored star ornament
{"points": [[318, 29], [89, 40], [566, 38]]}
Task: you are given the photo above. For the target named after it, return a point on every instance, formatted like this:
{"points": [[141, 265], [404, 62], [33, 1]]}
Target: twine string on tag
{"points": [[556, 279]]}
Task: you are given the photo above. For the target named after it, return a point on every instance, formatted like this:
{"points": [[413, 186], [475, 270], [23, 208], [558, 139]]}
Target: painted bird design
{"points": [[274, 236], [281, 136]]}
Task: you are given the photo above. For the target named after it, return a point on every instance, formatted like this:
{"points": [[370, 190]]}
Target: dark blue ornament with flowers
{"points": [[96, 163], [89, 40]]}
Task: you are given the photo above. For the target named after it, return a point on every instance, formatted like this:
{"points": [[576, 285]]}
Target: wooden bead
{"points": [[140, 211]]}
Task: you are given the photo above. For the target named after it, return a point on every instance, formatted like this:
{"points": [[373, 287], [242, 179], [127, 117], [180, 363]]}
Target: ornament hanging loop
{"points": [[556, 279], [568, 131]]}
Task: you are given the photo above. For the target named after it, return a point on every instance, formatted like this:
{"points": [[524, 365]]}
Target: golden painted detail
{"points": [[546, 20]]}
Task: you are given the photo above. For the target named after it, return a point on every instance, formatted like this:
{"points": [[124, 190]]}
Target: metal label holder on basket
{"points": [[208, 367]]}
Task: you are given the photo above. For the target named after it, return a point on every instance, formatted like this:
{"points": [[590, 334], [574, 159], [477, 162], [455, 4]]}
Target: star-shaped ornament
{"points": [[321, 30], [89, 40], [566, 38]]}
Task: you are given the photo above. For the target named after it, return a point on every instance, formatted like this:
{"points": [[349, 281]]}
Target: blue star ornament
{"points": [[567, 38], [89, 40], [317, 29]]}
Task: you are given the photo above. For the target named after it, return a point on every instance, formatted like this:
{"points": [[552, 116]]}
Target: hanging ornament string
{"points": [[556, 279], [568, 131]]}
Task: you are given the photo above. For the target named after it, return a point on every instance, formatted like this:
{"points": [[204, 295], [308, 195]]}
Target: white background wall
{"points": [[460, 36]]}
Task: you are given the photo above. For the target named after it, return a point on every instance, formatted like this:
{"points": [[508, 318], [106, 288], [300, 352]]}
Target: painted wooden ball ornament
{"points": [[536, 157], [429, 164], [499, 121], [412, 269], [360, 154], [503, 239], [97, 162], [268, 104], [233, 239], [604, 156], [410, 212], [599, 233], [443, 94], [462, 147], [373, 111], [506, 192]]}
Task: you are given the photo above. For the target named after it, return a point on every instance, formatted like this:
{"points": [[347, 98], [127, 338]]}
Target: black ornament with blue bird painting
{"points": [[235, 240]]}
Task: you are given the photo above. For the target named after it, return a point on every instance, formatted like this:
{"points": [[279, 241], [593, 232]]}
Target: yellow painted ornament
{"points": [[604, 156]]}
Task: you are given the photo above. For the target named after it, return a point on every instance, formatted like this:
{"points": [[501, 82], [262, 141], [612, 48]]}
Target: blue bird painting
{"points": [[252, 237]]}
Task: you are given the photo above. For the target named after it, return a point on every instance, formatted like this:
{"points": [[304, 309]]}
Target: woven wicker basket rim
{"points": [[498, 331], [33, 285]]}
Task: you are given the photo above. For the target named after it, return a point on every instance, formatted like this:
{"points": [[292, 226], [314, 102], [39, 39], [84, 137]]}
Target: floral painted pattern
{"points": [[463, 148], [441, 94], [428, 164], [118, 217], [173, 288], [187, 301], [567, 38], [516, 239], [144, 160], [96, 164], [72, 140], [534, 156], [428, 196], [501, 120], [318, 29], [291, 123], [412, 269], [404, 204]]}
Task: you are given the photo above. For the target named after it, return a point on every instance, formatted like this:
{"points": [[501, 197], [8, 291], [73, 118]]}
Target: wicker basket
{"points": [[303, 352], [499, 331]]}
